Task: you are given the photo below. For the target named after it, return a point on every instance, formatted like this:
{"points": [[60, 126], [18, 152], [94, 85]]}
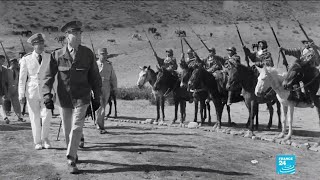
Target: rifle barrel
{"points": [[5, 54]]}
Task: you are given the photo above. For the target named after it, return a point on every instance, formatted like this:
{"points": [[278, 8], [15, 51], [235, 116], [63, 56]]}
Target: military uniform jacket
{"points": [[213, 63], [31, 75], [234, 59], [169, 63], [76, 77], [305, 54], [108, 75], [261, 58], [12, 81], [3, 77]]}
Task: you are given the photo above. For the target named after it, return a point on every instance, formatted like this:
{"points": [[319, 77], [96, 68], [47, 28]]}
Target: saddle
{"points": [[298, 96]]}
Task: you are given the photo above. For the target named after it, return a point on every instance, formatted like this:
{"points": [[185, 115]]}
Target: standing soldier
{"points": [[213, 62], [232, 58], [3, 89], [30, 85], [12, 81], [262, 57], [77, 75], [109, 83]]}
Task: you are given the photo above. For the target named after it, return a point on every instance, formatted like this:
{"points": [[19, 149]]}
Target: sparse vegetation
{"points": [[295, 32]]}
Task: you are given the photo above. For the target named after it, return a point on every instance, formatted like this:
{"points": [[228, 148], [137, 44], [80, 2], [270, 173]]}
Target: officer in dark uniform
{"points": [[77, 74]]}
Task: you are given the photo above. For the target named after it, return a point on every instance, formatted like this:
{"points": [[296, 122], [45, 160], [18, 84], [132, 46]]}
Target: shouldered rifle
{"points": [[5, 54], [285, 63], [149, 42], [181, 46], [199, 38], [246, 56], [24, 50], [191, 48]]}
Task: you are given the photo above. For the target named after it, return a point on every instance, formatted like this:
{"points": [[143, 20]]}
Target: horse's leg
{"points": [[195, 109], [110, 107], [202, 109], [209, 113], [270, 108], [176, 105], [284, 110], [252, 114], [162, 108], [219, 108], [182, 110], [158, 108], [230, 123], [115, 106], [257, 115], [279, 114], [290, 120]]}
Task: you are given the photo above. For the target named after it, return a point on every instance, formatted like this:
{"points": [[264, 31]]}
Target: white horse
{"points": [[270, 77]]}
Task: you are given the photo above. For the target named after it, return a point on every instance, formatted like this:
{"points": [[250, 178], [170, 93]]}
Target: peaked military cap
{"points": [[189, 51], [263, 42], [212, 49], [72, 26], [103, 50], [169, 51], [38, 37], [232, 49]]}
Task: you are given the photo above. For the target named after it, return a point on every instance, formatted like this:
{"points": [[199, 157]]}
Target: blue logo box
{"points": [[286, 164]]}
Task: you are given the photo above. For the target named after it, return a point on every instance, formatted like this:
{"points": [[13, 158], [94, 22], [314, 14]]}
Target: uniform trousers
{"points": [[38, 112], [73, 121], [14, 98], [101, 111], [2, 111]]}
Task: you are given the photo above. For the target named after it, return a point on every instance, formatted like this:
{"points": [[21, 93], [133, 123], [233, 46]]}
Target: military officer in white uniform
{"points": [[29, 88]]}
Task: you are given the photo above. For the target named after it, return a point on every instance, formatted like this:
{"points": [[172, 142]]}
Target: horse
{"points": [[180, 33], [152, 30], [157, 35], [60, 39], [201, 80], [167, 82], [149, 75], [198, 97], [114, 98], [270, 77], [246, 78]]}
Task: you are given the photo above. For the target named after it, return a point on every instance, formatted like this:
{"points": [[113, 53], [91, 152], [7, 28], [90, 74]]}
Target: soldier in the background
{"points": [[3, 89], [232, 58], [12, 80], [213, 62], [307, 54], [262, 57], [169, 62], [109, 83]]}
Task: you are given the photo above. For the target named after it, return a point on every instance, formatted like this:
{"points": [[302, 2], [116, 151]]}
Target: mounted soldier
{"points": [[192, 59], [213, 62], [307, 54], [169, 62], [262, 57]]}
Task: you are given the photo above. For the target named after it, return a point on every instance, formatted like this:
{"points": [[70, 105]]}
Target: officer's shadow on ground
{"points": [[149, 167], [15, 126]]}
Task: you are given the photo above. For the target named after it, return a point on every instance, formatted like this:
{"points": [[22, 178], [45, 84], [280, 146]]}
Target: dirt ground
{"points": [[145, 151]]}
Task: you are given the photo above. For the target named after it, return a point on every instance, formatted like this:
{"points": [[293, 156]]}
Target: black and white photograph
{"points": [[159, 89]]}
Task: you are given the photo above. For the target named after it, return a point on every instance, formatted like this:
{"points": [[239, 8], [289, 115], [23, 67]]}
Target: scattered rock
{"points": [[155, 123], [164, 124], [160, 123], [254, 161], [139, 152], [270, 139], [248, 134], [294, 144], [192, 125], [278, 141], [255, 138], [234, 132], [149, 121], [143, 122], [228, 131], [305, 146], [223, 131], [288, 142], [315, 145]]}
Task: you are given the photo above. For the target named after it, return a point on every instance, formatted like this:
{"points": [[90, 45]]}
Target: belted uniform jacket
{"points": [[76, 77]]}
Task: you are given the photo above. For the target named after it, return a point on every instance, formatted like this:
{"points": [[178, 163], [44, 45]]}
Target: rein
{"points": [[269, 90], [305, 85]]}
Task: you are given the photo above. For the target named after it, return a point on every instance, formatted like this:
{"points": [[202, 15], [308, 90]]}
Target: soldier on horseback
{"points": [[213, 62], [262, 57], [169, 62], [232, 58], [192, 59], [305, 55]]}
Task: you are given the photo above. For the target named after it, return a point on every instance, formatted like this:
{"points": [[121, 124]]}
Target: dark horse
{"points": [[167, 82], [198, 96], [247, 78], [202, 79]]}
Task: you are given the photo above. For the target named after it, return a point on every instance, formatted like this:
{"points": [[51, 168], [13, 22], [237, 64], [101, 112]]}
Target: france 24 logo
{"points": [[286, 164]]}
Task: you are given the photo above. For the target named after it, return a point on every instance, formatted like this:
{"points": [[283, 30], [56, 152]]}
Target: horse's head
{"points": [[185, 74], [196, 78], [264, 81], [294, 76], [143, 76], [235, 76]]}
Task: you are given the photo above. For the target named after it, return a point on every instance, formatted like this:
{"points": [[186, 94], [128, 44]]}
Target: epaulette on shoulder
{"points": [[27, 54]]}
